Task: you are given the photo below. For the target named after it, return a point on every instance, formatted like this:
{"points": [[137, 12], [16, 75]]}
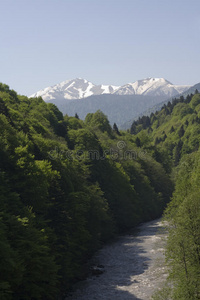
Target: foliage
{"points": [[173, 136], [67, 187], [183, 215], [175, 128]]}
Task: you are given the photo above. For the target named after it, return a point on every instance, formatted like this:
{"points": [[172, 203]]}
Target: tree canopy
{"points": [[67, 186]]}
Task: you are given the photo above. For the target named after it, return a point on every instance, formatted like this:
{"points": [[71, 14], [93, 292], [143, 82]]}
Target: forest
{"points": [[176, 130], [68, 186]]}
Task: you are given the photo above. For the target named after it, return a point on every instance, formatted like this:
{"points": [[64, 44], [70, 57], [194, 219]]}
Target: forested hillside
{"points": [[160, 105], [118, 108], [175, 131], [67, 186]]}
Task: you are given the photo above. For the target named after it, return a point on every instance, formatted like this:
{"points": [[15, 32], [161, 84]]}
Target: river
{"points": [[134, 267]]}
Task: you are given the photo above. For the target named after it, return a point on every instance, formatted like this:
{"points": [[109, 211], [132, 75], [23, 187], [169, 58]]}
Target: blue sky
{"points": [[107, 42]]}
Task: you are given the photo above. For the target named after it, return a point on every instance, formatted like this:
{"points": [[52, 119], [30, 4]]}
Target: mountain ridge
{"points": [[72, 89], [79, 88], [158, 106]]}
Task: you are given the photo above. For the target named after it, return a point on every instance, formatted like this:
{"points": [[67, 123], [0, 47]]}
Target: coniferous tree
{"points": [[115, 129], [177, 152], [76, 116], [186, 123], [188, 99], [133, 128], [172, 129], [157, 141], [137, 141], [169, 105], [164, 137], [181, 131]]}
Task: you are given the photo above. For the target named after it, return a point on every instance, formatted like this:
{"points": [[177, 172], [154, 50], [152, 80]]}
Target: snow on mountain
{"points": [[80, 88], [74, 89], [151, 87]]}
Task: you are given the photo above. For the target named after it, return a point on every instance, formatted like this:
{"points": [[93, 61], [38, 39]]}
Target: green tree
{"points": [[115, 129], [99, 121], [183, 246]]}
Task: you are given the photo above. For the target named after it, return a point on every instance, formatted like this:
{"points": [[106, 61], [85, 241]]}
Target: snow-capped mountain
{"points": [[80, 88], [74, 89], [151, 87]]}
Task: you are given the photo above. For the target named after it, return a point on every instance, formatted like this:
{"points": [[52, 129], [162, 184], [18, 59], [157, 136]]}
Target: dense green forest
{"points": [[68, 186], [175, 131]]}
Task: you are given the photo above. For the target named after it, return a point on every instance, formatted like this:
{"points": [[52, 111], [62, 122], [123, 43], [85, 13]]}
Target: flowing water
{"points": [[134, 267]]}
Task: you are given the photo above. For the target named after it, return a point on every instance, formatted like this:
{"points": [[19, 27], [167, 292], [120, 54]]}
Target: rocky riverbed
{"points": [[133, 267]]}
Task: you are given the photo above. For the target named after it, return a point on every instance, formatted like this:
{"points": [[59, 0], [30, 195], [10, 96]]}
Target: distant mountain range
{"points": [[74, 89], [81, 88], [158, 106], [120, 103]]}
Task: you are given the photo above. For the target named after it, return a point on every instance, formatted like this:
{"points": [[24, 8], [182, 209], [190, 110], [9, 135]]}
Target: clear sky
{"points": [[44, 42]]}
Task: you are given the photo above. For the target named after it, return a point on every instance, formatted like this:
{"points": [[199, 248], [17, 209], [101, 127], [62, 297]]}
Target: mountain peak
{"points": [[79, 88], [152, 87]]}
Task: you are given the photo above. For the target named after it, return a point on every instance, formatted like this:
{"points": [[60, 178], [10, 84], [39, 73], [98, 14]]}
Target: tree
{"points": [[157, 141], [164, 137], [183, 245], [137, 141], [186, 123], [115, 129], [133, 128], [171, 129], [100, 121], [76, 116], [177, 152], [181, 131]]}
